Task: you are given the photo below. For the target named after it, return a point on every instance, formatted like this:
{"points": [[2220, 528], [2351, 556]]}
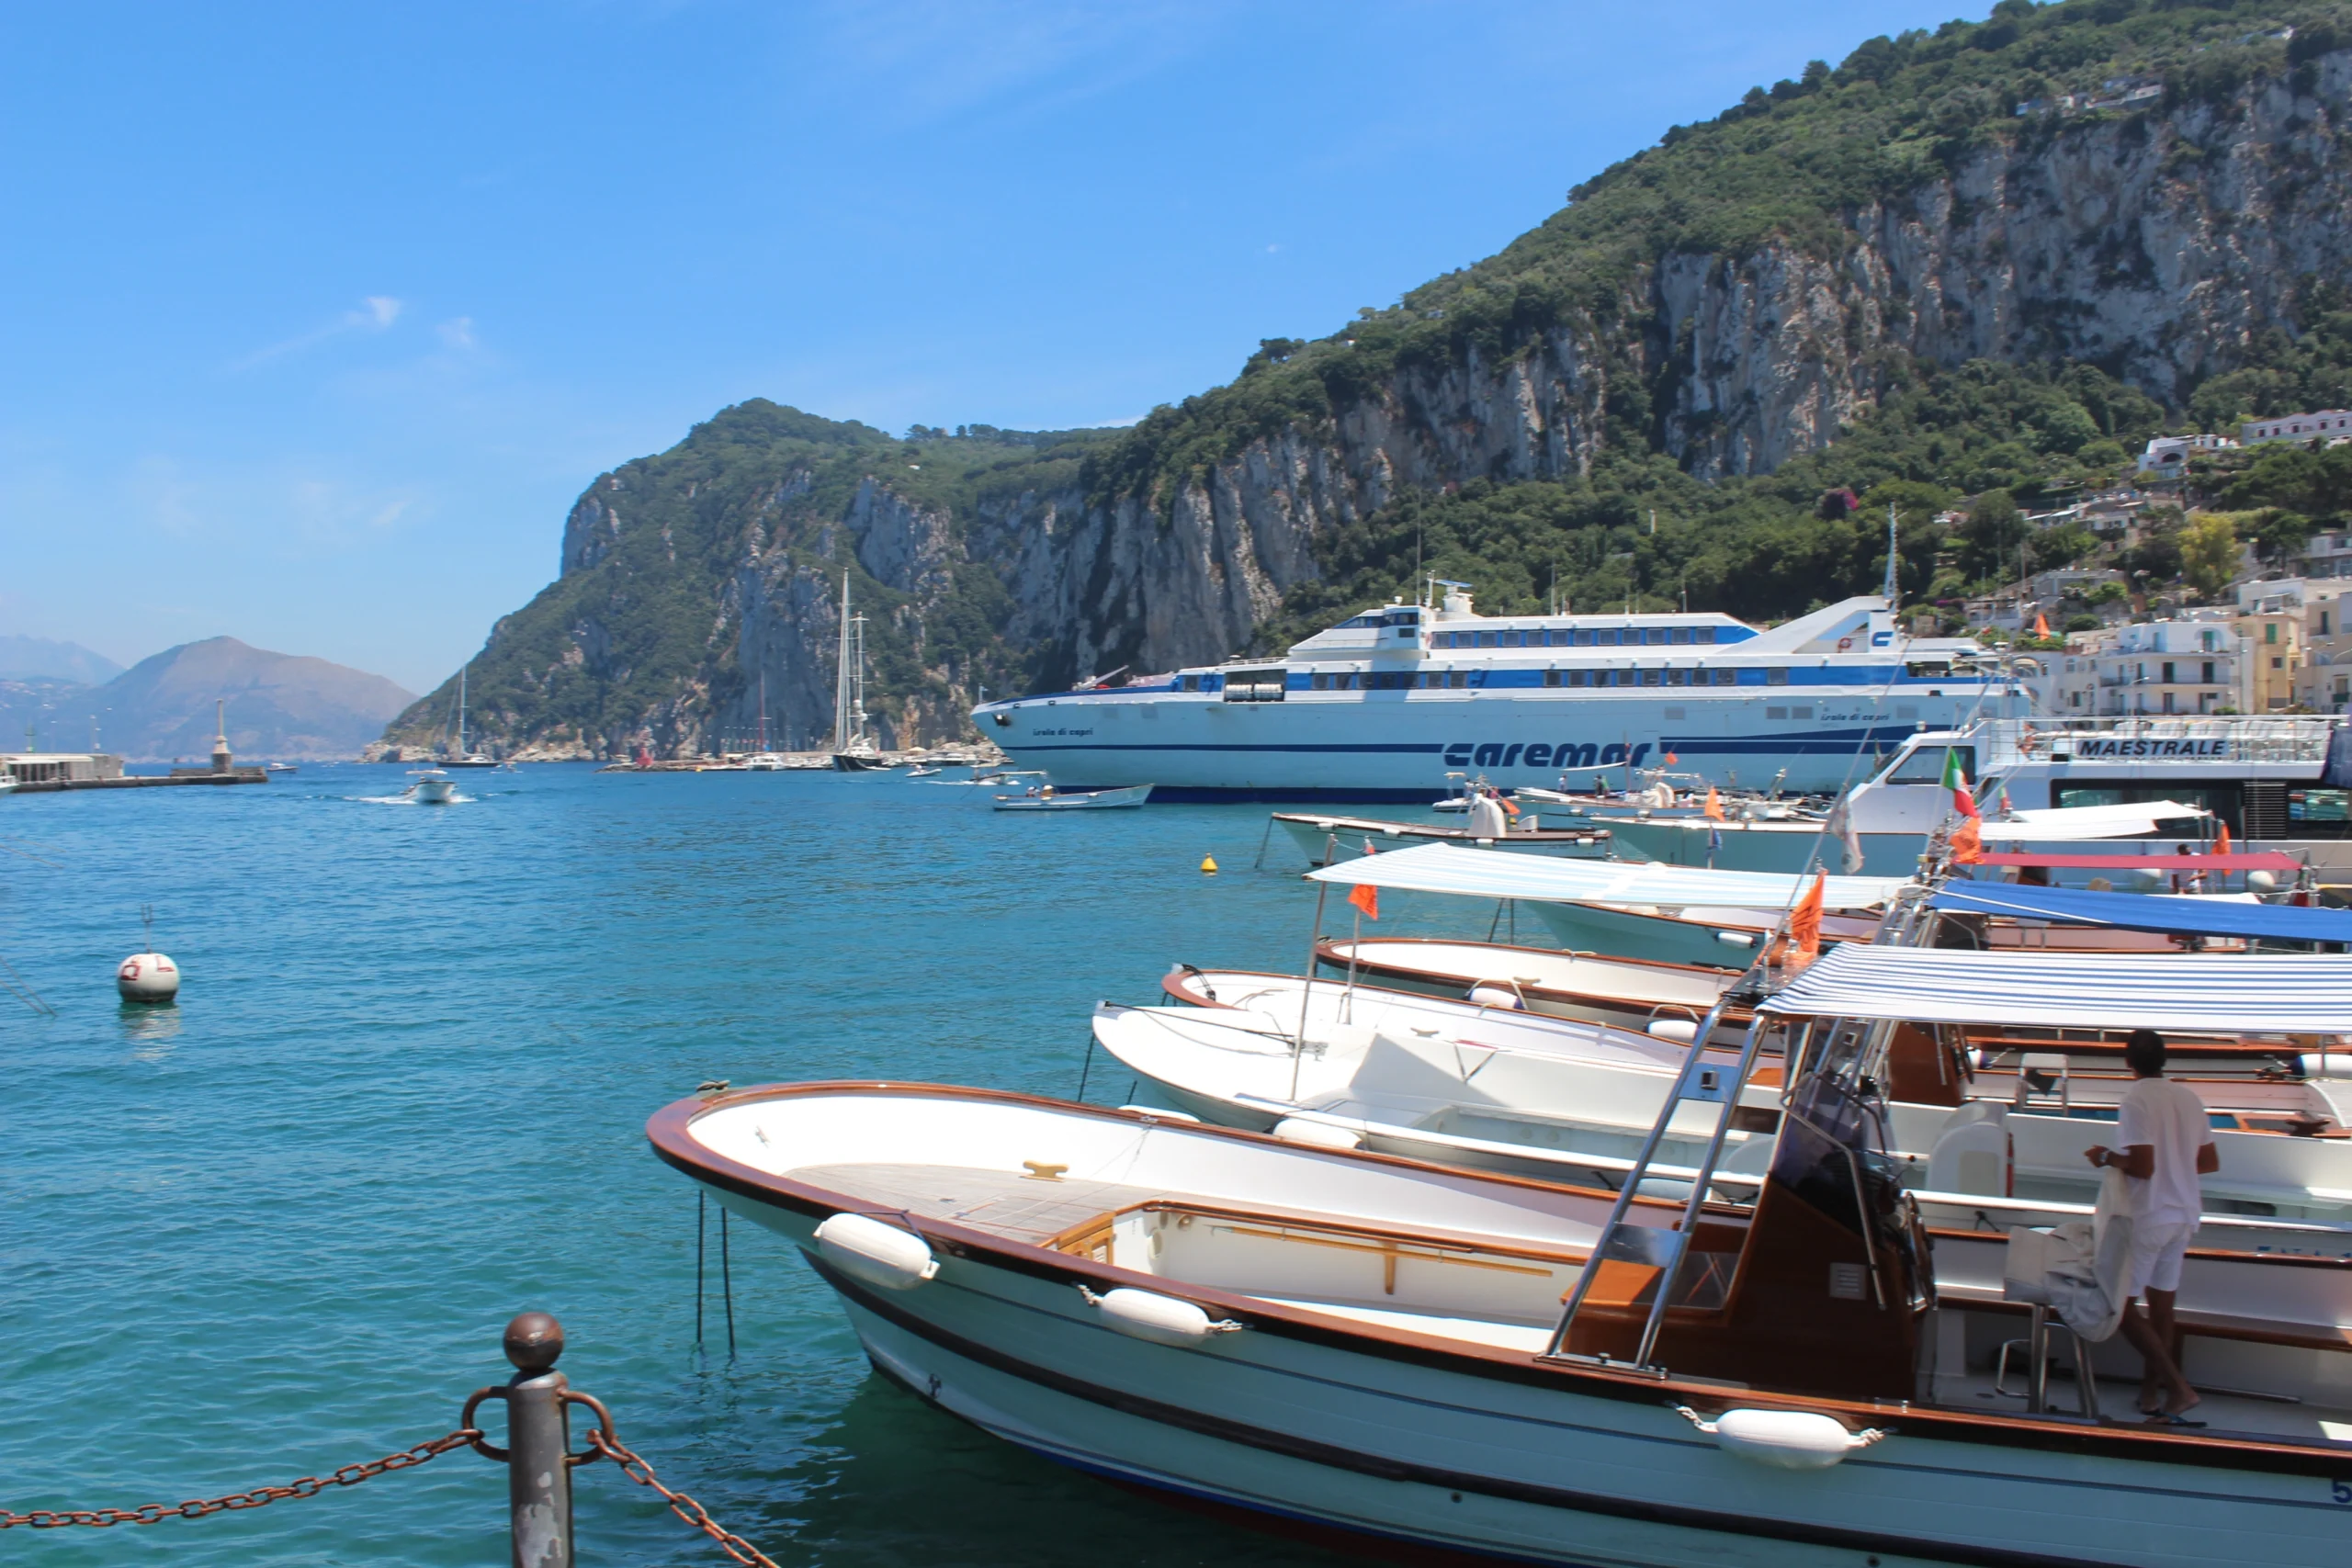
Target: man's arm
{"points": [[2209, 1158], [2140, 1159]]}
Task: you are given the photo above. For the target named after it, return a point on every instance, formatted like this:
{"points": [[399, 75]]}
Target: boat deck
{"points": [[1031, 1209]]}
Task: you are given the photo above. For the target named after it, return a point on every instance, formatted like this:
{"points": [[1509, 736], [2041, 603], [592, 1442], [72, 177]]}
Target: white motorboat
{"points": [[1045, 797], [766, 762], [1327, 839], [1567, 1100], [431, 787], [279, 768], [2166, 828], [1363, 1344]]}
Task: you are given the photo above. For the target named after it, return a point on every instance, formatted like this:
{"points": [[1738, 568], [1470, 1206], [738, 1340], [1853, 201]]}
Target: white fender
{"points": [[1782, 1439], [1680, 1031], [1163, 1320], [1487, 996], [878, 1253], [1315, 1135]]}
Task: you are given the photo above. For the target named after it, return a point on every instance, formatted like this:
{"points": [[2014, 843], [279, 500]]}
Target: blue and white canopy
{"points": [[1502, 873], [2202, 993], [2143, 913]]}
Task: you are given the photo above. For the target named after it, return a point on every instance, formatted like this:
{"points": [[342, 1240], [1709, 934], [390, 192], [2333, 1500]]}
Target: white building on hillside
{"points": [[2168, 455], [2326, 423], [2187, 666]]}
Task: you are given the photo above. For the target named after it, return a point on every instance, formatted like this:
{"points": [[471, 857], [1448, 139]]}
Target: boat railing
{"points": [[2241, 737]]}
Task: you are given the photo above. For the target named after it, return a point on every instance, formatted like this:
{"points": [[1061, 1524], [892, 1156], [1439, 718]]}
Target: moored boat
{"points": [[1326, 839], [1376, 1346], [1048, 798]]}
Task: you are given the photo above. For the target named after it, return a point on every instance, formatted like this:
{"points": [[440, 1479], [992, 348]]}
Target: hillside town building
{"points": [[2330, 425]]}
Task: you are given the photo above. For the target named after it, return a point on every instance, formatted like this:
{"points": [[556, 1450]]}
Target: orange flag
{"points": [[1968, 844], [1511, 807], [1366, 898], [1804, 920], [2040, 624], [1713, 810], [1671, 759], [2222, 841]]}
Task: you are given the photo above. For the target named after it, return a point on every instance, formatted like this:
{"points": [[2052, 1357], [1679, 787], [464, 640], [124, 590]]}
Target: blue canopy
{"points": [[2146, 912]]}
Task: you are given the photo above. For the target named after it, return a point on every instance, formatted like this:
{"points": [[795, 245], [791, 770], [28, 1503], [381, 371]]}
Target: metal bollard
{"points": [[538, 1476]]}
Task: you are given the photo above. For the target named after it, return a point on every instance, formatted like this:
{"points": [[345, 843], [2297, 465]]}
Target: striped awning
{"points": [[1492, 873], [2221, 993]]}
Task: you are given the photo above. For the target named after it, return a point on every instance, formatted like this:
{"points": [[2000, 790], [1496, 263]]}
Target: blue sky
{"points": [[318, 317]]}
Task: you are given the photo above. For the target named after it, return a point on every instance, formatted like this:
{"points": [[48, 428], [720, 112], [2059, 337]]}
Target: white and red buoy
{"points": [[147, 977]]}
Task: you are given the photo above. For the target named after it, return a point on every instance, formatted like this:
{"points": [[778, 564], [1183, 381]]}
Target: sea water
{"points": [[278, 1227]]}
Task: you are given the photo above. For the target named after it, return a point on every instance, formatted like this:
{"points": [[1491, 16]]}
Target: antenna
{"points": [[1894, 583]]}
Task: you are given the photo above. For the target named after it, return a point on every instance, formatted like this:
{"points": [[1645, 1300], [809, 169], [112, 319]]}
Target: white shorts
{"points": [[2156, 1251]]}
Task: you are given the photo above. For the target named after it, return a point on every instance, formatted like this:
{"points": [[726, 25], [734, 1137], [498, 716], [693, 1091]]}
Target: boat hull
{"points": [[1399, 746]]}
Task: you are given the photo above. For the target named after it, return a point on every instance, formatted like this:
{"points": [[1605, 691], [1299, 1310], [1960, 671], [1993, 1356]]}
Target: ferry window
{"points": [[1680, 634], [1675, 713], [1770, 713], [1579, 677], [1776, 676], [1511, 639], [1702, 634], [1212, 682], [1654, 635], [1677, 677], [2319, 804], [1802, 710], [1582, 638], [1649, 677], [1905, 711], [1726, 677], [1606, 637], [1556, 638], [1322, 683], [1926, 670], [1457, 678], [1551, 677], [1192, 683]]}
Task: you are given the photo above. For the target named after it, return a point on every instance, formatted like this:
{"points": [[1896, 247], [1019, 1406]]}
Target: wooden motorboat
{"points": [[1325, 840], [1045, 797], [1373, 1345]]}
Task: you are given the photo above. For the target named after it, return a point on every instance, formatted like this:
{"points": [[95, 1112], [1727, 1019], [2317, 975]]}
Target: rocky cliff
{"points": [[1742, 295]]}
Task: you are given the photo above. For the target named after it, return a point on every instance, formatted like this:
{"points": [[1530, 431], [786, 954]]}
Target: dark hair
{"points": [[2144, 1053]]}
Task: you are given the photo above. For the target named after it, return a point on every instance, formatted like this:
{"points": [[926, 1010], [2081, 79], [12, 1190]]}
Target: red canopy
{"points": [[2250, 860]]}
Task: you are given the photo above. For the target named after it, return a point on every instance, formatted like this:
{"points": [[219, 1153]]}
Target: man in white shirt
{"points": [[2168, 1143]]}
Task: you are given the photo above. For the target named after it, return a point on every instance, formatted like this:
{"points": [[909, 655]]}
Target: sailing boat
{"points": [[460, 757], [854, 749], [765, 761]]}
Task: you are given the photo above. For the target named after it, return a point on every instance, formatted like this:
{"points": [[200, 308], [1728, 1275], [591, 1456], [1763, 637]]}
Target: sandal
{"points": [[2167, 1418]]}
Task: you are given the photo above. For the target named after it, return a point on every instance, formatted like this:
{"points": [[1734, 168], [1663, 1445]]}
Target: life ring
{"points": [[1845, 645]]}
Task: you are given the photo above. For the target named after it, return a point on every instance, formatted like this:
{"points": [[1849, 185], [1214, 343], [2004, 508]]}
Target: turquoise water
{"points": [[277, 1228]]}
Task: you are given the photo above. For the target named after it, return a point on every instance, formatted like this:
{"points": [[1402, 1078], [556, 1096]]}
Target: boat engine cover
{"points": [[878, 1253]]}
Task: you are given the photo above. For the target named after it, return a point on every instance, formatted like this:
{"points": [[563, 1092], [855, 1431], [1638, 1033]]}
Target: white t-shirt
{"points": [[2171, 1120]]}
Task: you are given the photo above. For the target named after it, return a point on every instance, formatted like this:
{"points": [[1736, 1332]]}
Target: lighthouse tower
{"points": [[221, 760]]}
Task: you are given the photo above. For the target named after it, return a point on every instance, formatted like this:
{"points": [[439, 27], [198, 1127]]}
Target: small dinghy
{"points": [[1045, 797], [1327, 839], [1365, 1344]]}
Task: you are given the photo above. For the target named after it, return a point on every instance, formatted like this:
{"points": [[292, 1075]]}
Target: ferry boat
{"points": [[1380, 706]]}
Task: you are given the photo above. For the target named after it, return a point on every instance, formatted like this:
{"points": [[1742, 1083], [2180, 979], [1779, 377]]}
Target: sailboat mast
{"points": [[461, 707], [763, 710], [842, 675]]}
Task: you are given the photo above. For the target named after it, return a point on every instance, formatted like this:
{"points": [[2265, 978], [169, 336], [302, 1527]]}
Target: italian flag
{"points": [[1956, 781]]}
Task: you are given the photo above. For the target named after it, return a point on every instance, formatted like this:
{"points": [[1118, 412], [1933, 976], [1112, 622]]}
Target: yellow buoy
{"points": [[1208, 865]]}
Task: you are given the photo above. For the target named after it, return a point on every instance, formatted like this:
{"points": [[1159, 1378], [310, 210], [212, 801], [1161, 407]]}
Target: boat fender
{"points": [[1682, 1030], [1782, 1439], [1487, 995], [1736, 939], [878, 1253], [1316, 1134], [2324, 1065], [1163, 1320]]}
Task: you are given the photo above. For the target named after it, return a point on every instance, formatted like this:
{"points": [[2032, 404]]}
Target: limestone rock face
{"points": [[2156, 244]]}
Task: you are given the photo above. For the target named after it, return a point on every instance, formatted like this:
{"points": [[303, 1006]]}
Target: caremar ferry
{"points": [[1385, 705]]}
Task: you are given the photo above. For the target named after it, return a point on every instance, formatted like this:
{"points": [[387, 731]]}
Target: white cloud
{"points": [[376, 314], [458, 333]]}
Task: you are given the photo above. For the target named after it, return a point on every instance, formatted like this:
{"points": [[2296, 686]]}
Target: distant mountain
{"points": [[280, 706], [39, 659]]}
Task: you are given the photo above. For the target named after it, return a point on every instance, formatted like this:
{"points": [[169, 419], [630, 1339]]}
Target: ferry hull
{"points": [[1399, 746]]}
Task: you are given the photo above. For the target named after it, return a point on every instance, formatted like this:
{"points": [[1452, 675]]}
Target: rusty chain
{"points": [[686, 1507], [260, 1496]]}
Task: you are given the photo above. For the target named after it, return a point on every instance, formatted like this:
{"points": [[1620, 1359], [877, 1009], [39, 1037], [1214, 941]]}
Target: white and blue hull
{"points": [[1399, 745]]}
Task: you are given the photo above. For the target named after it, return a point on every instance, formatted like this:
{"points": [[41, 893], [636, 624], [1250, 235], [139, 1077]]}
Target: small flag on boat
{"points": [[1841, 827], [1804, 920], [2040, 624], [1968, 844], [1511, 807], [1671, 759], [1713, 810], [1366, 898], [2222, 841], [1956, 781]]}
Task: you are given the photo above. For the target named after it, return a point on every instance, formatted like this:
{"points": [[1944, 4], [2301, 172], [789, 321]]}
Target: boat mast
{"points": [[842, 675], [461, 705], [763, 710], [857, 683]]}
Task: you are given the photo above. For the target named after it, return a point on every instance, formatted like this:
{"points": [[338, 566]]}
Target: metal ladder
{"points": [[1697, 1083]]}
